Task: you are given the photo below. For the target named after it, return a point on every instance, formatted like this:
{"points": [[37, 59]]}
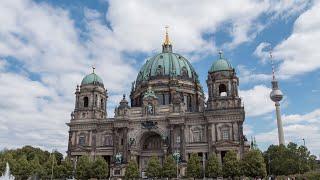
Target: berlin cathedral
{"points": [[167, 114]]}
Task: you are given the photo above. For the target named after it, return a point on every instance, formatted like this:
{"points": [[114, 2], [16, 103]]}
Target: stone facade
{"points": [[167, 114]]}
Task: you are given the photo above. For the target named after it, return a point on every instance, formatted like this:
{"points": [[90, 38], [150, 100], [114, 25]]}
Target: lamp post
{"points": [[176, 155], [75, 167], [204, 165], [304, 142]]}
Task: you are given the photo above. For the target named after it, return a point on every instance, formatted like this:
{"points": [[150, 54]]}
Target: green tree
{"points": [[49, 166], [231, 165], [58, 156], [64, 170], [290, 159], [36, 168], [68, 168], [252, 164], [132, 170], [99, 168], [83, 168], [213, 168], [194, 166], [153, 168], [169, 167], [22, 169]]}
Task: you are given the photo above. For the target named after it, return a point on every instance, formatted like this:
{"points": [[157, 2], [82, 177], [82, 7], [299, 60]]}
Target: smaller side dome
{"points": [[92, 78], [221, 64]]}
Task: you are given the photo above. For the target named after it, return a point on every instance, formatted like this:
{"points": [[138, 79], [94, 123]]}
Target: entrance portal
{"points": [[151, 145]]}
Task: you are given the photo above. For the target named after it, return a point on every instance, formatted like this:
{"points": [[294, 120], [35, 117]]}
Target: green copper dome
{"points": [[166, 64], [92, 79], [221, 65]]}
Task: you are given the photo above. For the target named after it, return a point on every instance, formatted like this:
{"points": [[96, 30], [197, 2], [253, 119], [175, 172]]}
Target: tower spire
{"points": [[166, 46], [273, 74]]}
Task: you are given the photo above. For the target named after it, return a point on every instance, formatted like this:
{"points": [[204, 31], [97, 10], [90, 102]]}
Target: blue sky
{"points": [[47, 47]]}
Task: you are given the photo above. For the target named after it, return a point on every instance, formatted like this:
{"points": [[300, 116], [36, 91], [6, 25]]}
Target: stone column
{"points": [[90, 138], [232, 132], [209, 138], [171, 139], [235, 131], [182, 142], [125, 144]]}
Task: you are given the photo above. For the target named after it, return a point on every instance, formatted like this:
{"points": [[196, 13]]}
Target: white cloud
{"points": [[298, 54], [311, 117], [45, 42], [138, 25], [257, 100], [296, 128], [262, 51]]}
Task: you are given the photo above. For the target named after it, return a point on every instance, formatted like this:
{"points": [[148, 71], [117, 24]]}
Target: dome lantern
{"points": [[166, 46]]}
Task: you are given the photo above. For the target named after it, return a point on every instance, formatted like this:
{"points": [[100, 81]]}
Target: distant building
{"points": [[167, 114]]}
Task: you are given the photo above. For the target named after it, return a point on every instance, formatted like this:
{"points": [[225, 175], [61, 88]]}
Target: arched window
{"points": [[189, 104], [101, 103], [222, 90], [86, 101], [153, 142], [82, 140], [108, 141], [225, 134], [197, 134], [161, 99]]}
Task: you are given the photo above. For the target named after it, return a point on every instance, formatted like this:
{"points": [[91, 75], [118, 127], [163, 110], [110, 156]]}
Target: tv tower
{"points": [[276, 96]]}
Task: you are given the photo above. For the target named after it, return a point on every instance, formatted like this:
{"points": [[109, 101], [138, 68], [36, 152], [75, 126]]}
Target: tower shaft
{"points": [[279, 123]]}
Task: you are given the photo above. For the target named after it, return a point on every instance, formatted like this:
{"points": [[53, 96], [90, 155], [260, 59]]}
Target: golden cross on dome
{"points": [[166, 40], [220, 54]]}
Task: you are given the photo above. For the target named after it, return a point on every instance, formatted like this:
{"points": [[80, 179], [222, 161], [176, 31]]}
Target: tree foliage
{"points": [[83, 170], [169, 167], [213, 168], [290, 159], [154, 168], [132, 170], [194, 166], [99, 168], [231, 165], [252, 164]]}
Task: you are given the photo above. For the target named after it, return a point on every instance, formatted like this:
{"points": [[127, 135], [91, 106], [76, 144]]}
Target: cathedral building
{"points": [[167, 114]]}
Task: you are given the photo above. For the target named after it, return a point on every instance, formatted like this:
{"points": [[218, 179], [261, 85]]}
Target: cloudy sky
{"points": [[47, 47]]}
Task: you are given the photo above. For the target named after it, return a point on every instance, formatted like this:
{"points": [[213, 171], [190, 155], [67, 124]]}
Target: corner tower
{"points": [[91, 98], [222, 85]]}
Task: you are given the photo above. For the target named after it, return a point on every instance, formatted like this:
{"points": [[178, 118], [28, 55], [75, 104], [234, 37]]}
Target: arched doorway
{"points": [[151, 144]]}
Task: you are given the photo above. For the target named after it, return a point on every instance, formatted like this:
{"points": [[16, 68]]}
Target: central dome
{"points": [[172, 79], [166, 64]]}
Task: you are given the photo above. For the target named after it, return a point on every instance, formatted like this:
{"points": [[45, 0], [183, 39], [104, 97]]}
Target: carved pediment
{"points": [[227, 143]]}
